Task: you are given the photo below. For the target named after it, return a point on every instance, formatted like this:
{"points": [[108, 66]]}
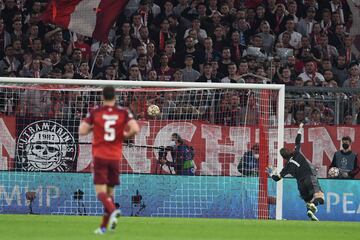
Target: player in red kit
{"points": [[110, 125]]}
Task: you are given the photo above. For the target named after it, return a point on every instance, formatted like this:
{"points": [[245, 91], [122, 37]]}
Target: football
{"points": [[153, 110], [334, 172]]}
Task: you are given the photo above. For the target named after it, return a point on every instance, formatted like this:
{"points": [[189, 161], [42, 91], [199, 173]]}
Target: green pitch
{"points": [[31, 227]]}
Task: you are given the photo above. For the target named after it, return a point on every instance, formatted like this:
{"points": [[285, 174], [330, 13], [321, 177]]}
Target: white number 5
{"points": [[110, 121]]}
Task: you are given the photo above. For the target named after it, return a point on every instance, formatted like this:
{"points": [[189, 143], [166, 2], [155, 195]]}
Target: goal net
{"points": [[232, 131]]}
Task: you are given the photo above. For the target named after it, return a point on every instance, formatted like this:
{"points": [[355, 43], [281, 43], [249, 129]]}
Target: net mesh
{"points": [[233, 134]]}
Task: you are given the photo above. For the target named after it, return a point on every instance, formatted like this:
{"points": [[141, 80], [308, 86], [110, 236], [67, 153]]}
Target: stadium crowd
{"points": [[293, 42]]}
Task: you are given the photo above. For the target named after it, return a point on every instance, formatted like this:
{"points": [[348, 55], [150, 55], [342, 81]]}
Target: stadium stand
{"points": [[296, 43]]}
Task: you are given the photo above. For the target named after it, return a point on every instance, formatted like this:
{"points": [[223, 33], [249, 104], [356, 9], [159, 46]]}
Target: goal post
{"points": [[222, 122]]}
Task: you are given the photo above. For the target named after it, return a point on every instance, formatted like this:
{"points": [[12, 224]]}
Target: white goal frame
{"points": [[160, 84]]}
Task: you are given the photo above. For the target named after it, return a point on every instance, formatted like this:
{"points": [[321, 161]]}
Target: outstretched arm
{"points": [[272, 173], [298, 138]]}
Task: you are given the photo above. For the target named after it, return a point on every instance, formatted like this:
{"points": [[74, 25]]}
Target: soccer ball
{"points": [[334, 172], [153, 110]]}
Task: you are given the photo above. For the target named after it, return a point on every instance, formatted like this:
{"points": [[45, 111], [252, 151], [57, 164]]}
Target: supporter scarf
{"points": [[2, 41], [161, 41], [278, 22]]}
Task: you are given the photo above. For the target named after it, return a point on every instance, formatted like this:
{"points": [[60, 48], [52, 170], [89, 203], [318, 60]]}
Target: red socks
{"points": [[105, 220], [107, 202]]}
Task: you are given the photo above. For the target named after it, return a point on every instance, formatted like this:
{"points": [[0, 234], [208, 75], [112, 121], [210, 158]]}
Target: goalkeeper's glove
{"points": [[276, 178]]}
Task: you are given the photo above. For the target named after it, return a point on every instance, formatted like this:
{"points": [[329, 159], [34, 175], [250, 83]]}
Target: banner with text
{"points": [[51, 145]]}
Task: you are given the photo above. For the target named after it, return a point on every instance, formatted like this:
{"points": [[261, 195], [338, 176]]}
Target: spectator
{"points": [[249, 163], [268, 39], [152, 75], [84, 71], [209, 52], [191, 50], [338, 6], [278, 19], [17, 33], [244, 30], [129, 52], [311, 74], [37, 47], [215, 67], [315, 36], [5, 38], [163, 35], [327, 50], [144, 38], [236, 48], [346, 160], [77, 58], [295, 37], [219, 41], [338, 37], [285, 77], [69, 70], [9, 63], [18, 51], [305, 25], [134, 73], [325, 23], [207, 74], [168, 9], [189, 74], [98, 68], [136, 25], [180, 7], [196, 25], [348, 120], [347, 51], [340, 69], [315, 118], [178, 76], [353, 80], [226, 60], [80, 44], [140, 50], [292, 11], [164, 72], [177, 28], [55, 58], [110, 73], [8, 14], [233, 77]]}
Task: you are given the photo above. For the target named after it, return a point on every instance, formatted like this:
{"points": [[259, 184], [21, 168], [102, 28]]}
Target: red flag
{"points": [[92, 18]]}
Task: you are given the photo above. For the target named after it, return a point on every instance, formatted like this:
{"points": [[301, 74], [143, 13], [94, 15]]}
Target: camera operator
{"points": [[182, 155]]}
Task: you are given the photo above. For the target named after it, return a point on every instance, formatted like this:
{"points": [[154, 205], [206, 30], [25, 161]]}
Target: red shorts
{"points": [[106, 172]]}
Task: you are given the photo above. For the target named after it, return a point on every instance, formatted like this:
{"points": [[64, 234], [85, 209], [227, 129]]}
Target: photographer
{"points": [[182, 155]]}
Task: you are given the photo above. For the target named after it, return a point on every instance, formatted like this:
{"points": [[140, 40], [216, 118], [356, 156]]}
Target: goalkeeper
{"points": [[305, 174]]}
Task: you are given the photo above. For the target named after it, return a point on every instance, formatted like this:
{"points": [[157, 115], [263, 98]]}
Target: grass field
{"points": [[32, 227]]}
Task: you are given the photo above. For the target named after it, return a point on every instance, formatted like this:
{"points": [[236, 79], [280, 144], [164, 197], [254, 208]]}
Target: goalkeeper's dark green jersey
{"points": [[297, 165]]}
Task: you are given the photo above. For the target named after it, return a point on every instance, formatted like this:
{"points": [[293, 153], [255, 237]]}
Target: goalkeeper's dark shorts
{"points": [[308, 186]]}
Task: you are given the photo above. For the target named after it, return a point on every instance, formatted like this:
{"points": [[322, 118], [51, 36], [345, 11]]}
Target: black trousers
{"points": [[307, 187]]}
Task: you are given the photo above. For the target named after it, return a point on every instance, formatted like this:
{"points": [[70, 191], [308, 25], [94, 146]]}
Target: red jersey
{"points": [[108, 131]]}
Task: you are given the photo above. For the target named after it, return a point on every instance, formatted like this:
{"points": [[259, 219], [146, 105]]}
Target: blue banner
{"points": [[144, 195], [342, 201], [170, 196]]}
